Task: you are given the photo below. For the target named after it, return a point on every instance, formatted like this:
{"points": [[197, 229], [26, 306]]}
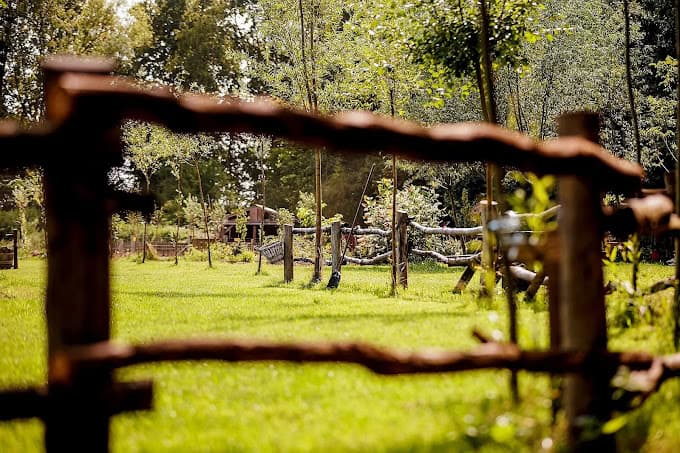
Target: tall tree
{"points": [[146, 148], [304, 64]]}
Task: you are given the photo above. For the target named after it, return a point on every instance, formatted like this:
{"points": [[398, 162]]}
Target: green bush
{"points": [[219, 251]]}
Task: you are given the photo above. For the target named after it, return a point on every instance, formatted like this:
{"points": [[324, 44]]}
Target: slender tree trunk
{"points": [[264, 201], [520, 111], [312, 103], [203, 208], [636, 130], [304, 51], [482, 91], [485, 78], [545, 106], [179, 212], [148, 190], [487, 65], [317, 239], [629, 84], [395, 269]]}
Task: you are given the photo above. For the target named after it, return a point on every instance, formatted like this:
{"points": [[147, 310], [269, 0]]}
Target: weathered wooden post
{"points": [[551, 265], [581, 307], [79, 204], [77, 300], [402, 248], [336, 246], [15, 247], [288, 253], [488, 275]]}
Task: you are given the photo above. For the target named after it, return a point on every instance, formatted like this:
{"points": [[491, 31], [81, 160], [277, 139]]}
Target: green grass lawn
{"points": [[284, 407]]}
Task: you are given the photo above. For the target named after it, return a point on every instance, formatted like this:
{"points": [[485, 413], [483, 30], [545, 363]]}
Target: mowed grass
{"points": [[273, 406]]}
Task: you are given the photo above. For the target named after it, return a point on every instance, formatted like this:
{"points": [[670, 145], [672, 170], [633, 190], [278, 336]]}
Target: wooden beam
{"points": [[378, 359], [358, 132], [582, 308], [78, 301]]}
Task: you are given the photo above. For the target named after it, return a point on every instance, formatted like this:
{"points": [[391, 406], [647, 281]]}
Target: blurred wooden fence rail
{"points": [[84, 108]]}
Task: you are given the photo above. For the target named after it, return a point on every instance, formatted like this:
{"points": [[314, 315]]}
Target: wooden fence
{"points": [[470, 261], [9, 256], [84, 108]]}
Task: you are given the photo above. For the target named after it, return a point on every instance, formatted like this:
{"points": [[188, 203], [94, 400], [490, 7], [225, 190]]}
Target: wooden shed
{"points": [[254, 215]]}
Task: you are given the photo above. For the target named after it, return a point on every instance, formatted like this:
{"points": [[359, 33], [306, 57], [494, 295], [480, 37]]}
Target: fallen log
{"points": [[449, 260], [659, 286], [474, 231], [365, 231], [383, 257], [312, 230]]}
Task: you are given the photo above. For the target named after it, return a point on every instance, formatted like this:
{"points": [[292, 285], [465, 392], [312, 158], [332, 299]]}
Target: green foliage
{"points": [[420, 203], [241, 222], [285, 217], [306, 211], [192, 44], [446, 37], [534, 196], [220, 252]]}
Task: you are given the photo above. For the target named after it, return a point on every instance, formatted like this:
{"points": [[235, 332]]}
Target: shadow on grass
{"points": [[386, 318], [172, 294]]}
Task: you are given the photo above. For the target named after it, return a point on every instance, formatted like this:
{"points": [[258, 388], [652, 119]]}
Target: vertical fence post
{"points": [[582, 307], [488, 275], [78, 300], [15, 247], [551, 265], [336, 246], [402, 248], [288, 253]]}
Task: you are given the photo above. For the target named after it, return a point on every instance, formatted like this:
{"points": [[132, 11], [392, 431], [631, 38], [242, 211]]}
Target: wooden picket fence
{"points": [[85, 106]]}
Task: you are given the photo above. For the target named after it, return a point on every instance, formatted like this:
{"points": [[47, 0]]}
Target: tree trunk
{"points": [[148, 189], [264, 201], [317, 239], [179, 211], [485, 78], [395, 269], [629, 84], [205, 211], [304, 57]]}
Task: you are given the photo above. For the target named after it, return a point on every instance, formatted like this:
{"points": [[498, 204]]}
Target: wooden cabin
{"points": [[254, 215]]}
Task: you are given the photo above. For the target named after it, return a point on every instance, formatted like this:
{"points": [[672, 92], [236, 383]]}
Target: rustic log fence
{"points": [[470, 261], [9, 257], [84, 107]]}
